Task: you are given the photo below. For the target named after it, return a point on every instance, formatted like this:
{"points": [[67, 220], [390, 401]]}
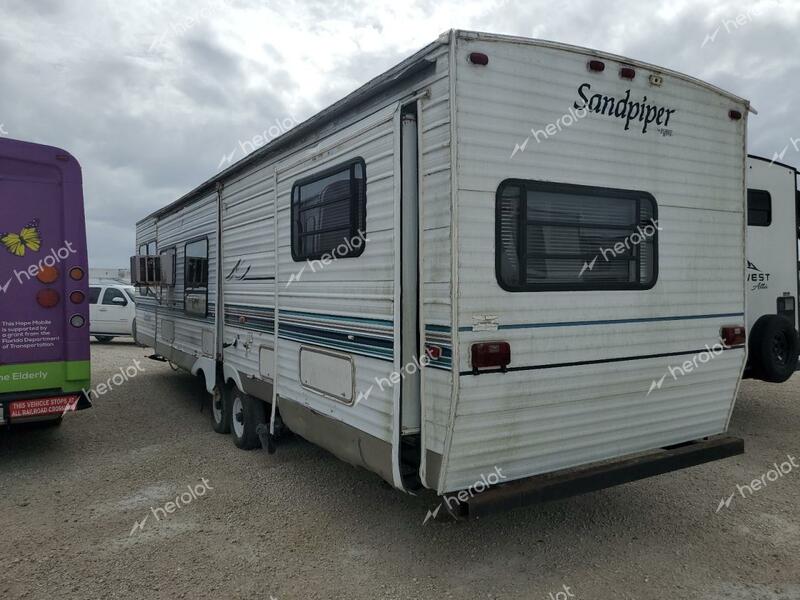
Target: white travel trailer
{"points": [[502, 256], [772, 269]]}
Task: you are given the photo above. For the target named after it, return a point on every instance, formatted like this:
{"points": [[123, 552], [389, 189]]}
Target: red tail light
{"points": [[733, 335], [490, 355], [76, 297], [47, 274], [47, 298], [76, 273]]}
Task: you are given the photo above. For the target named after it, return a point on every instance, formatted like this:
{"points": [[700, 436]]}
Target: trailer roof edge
{"points": [[401, 71], [406, 68]]}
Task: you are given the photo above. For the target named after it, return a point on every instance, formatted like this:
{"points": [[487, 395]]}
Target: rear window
{"points": [[562, 237], [759, 208], [94, 294]]}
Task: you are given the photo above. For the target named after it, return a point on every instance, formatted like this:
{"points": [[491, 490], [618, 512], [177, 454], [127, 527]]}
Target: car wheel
{"points": [[774, 347], [220, 410], [247, 413]]}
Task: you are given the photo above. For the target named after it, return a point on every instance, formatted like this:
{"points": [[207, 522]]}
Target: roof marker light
{"points": [[478, 58], [597, 65], [627, 73], [735, 115]]}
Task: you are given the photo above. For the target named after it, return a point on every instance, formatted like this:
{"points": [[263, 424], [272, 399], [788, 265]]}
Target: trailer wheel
{"points": [[220, 410], [246, 414], [774, 347]]}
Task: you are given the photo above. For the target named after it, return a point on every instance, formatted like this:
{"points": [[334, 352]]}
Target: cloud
{"points": [[149, 95]]}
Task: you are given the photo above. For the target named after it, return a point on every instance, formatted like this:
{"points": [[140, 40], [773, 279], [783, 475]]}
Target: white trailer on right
{"points": [[773, 228]]}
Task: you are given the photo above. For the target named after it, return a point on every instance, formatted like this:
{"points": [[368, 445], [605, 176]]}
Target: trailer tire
{"points": [[220, 410], [774, 347], [246, 415]]}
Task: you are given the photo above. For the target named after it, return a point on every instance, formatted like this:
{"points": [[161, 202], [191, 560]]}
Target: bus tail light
{"points": [[76, 273], [490, 355], [47, 298], [47, 274]]}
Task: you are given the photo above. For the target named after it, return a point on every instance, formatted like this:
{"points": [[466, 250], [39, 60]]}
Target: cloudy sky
{"points": [[153, 97]]}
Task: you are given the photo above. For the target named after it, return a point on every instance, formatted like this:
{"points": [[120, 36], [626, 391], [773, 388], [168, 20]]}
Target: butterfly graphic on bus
{"points": [[27, 239]]}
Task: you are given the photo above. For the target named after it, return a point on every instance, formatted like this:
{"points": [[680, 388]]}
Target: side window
{"points": [[168, 262], [559, 237], [94, 294], [113, 294], [151, 248], [195, 277], [329, 213], [142, 249], [759, 208]]}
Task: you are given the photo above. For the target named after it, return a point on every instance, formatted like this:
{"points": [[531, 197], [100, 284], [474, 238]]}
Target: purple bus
{"points": [[44, 311]]}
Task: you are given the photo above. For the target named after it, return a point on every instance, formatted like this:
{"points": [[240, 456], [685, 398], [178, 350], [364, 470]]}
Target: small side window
{"points": [[759, 208], [329, 213], [195, 277]]}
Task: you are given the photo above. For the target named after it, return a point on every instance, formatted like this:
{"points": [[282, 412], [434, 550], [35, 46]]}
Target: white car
{"points": [[112, 311]]}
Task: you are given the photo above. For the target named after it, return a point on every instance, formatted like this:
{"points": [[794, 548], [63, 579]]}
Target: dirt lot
{"points": [[301, 524]]}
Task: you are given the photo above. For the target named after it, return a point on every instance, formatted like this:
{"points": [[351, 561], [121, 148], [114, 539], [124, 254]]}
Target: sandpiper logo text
{"points": [[624, 108]]}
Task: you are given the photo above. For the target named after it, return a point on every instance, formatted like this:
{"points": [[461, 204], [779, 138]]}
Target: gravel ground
{"points": [[302, 524]]}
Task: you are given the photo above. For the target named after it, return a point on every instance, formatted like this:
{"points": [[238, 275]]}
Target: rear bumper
{"points": [[571, 482], [29, 407]]}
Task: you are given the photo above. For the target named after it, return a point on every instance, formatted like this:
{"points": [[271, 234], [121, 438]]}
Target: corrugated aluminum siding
{"points": [[548, 418]]}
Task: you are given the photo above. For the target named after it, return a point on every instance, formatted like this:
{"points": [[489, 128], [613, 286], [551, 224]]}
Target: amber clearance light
{"points": [[76, 273]]}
